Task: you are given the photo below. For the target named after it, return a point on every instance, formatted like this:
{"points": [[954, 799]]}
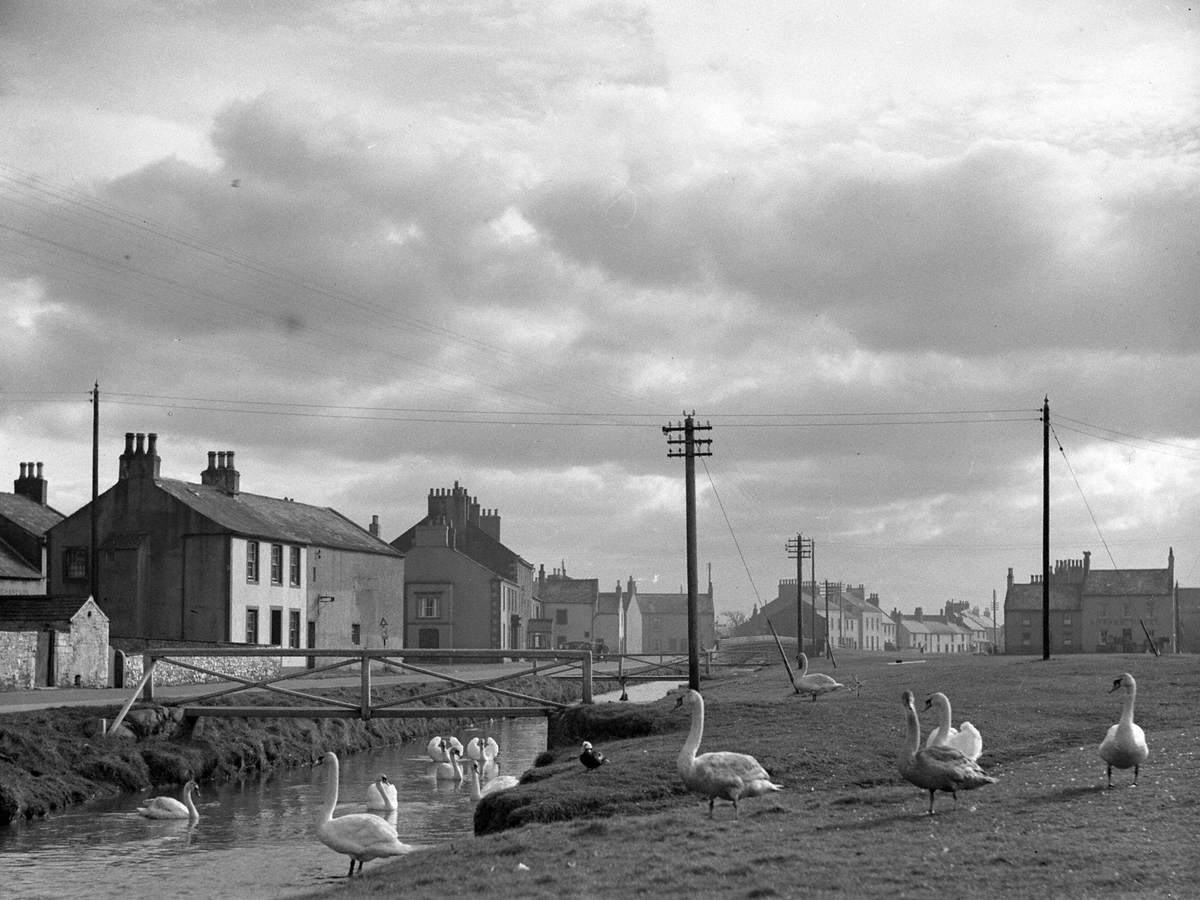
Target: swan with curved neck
{"points": [[170, 808], [966, 738], [494, 786], [720, 774], [935, 768], [815, 684], [381, 794], [450, 771], [361, 836], [1125, 744]]}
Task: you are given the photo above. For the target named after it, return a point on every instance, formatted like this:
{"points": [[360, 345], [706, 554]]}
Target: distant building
{"points": [[52, 642], [925, 633], [665, 620], [463, 587], [209, 562], [25, 518], [1187, 628], [1093, 610], [572, 606]]}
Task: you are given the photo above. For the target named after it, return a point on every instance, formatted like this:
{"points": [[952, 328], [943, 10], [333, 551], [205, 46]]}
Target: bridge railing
{"points": [[401, 661]]}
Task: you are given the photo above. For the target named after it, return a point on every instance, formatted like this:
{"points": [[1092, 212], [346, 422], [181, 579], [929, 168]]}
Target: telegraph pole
{"points": [[93, 550], [1046, 528], [800, 549], [692, 447]]}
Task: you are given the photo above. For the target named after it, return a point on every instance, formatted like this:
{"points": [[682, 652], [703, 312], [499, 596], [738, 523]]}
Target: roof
{"points": [[12, 565], [34, 608], [254, 515], [930, 626], [28, 514], [674, 604], [1126, 582], [1029, 596], [560, 589]]}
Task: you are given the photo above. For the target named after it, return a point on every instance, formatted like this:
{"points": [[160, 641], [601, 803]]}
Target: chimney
{"points": [[220, 472], [375, 526], [140, 461], [1010, 578], [1087, 562], [919, 614], [31, 485]]}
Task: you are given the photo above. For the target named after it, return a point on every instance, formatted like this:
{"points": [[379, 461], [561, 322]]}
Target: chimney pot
{"points": [[129, 443], [141, 444], [152, 437], [39, 470], [220, 459]]}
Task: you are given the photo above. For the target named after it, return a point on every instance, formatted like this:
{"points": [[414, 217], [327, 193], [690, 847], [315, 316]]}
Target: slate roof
{"points": [[1126, 582], [673, 604], [13, 566], [28, 514], [34, 608], [253, 515], [1063, 597], [570, 590]]}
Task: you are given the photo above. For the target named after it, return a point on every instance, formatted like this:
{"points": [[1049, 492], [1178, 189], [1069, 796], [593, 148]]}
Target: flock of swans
{"points": [[947, 762]]}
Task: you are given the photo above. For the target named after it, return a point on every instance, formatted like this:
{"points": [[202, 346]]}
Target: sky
{"points": [[377, 248]]}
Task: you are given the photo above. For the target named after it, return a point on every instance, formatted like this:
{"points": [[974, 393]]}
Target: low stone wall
{"points": [[252, 668], [18, 659]]}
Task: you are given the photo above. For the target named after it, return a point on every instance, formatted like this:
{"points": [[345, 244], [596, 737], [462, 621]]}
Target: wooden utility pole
{"points": [[795, 551], [1046, 528], [93, 548], [691, 448]]}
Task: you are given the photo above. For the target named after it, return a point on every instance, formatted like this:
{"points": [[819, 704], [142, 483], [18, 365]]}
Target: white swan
{"points": [[450, 771], [170, 808], [1125, 743], [814, 684], [438, 749], [361, 836], [381, 794], [966, 738], [472, 750], [935, 768], [723, 774], [497, 784]]}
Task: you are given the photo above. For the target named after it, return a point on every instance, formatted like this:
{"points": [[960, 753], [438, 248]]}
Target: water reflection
{"points": [[254, 838]]}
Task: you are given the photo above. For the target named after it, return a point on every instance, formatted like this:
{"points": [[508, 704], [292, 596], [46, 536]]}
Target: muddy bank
{"points": [[55, 758]]}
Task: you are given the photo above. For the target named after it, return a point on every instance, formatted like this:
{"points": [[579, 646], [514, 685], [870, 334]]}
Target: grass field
{"points": [[846, 824]]}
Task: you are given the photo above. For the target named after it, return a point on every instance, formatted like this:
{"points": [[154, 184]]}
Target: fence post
{"points": [[587, 677], [147, 681], [365, 666]]}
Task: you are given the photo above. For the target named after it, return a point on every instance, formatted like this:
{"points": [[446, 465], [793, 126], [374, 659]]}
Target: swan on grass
{"points": [[966, 738], [361, 836], [381, 794], [935, 768], [729, 776], [816, 683], [170, 808], [1125, 744], [494, 786]]}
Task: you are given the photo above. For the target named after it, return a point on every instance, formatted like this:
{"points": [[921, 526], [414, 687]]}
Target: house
{"points": [[781, 613], [1093, 610], [1187, 620], [930, 633], [52, 642], [665, 620], [464, 588], [612, 618], [24, 520], [209, 562], [572, 605]]}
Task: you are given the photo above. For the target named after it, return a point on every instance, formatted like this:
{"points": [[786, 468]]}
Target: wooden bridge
{"points": [[416, 665]]}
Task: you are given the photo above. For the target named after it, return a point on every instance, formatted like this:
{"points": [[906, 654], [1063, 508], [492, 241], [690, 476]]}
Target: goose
{"points": [[815, 684], [591, 758], [170, 808], [935, 768], [450, 771], [966, 738], [361, 836], [723, 774], [497, 784], [1125, 743], [381, 794]]}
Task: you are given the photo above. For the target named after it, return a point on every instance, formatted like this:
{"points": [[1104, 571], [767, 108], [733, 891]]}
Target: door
{"points": [[277, 628], [312, 642], [50, 661]]}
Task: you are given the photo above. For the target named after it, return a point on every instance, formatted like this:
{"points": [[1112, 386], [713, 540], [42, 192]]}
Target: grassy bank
{"points": [[846, 823], [54, 758]]}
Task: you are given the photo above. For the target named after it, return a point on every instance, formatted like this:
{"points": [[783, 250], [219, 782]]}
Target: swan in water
{"points": [[1125, 743], [439, 748], [450, 771], [472, 751], [966, 738], [723, 774], [381, 794], [815, 684], [935, 768], [485, 752], [170, 808], [591, 757], [361, 836], [497, 784]]}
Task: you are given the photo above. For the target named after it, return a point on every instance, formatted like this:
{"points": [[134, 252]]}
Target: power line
{"points": [[729, 525], [1083, 496]]}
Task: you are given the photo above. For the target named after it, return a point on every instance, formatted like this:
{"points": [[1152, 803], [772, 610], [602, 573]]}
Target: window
{"points": [[1066, 642], [251, 626], [294, 567], [75, 564], [1025, 620], [1066, 620], [428, 606], [252, 562], [356, 634], [294, 628], [560, 617], [276, 564]]}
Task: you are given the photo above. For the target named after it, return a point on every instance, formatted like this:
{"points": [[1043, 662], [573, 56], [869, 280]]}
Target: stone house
{"points": [[931, 633], [25, 518], [571, 605], [52, 642], [665, 620], [209, 562], [463, 587]]}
